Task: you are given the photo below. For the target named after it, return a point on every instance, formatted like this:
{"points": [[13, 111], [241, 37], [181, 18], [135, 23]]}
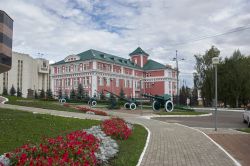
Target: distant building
{"points": [[6, 31], [97, 71], [26, 73]]}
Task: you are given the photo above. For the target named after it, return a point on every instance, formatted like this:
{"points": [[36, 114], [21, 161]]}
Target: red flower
{"points": [[116, 127]]}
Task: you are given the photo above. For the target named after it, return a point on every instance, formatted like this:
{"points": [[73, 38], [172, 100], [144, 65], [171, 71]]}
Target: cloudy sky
{"points": [[57, 28]]}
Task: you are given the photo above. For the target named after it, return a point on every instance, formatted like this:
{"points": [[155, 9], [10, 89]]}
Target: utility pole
{"points": [[177, 68]]}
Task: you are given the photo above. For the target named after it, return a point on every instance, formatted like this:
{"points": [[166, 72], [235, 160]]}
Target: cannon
{"points": [[161, 101], [129, 103], [93, 100]]}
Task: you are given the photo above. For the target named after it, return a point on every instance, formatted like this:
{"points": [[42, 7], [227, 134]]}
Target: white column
{"points": [[93, 84], [94, 65], [52, 85], [133, 83]]}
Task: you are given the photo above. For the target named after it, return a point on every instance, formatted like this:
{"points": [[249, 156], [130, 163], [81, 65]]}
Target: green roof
{"points": [[98, 55], [153, 65], [138, 51]]}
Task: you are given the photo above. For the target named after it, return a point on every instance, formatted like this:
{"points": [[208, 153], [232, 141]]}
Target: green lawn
{"points": [[18, 127], [179, 112], [39, 104], [131, 149], [247, 130]]}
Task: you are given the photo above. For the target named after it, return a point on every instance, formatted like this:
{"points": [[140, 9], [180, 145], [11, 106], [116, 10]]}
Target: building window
{"points": [[88, 83], [174, 85], [99, 81], [108, 81], [69, 80], [125, 83], [117, 82]]}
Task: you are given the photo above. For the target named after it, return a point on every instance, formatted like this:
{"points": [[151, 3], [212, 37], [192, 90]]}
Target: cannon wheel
{"points": [[127, 105], [132, 106], [156, 105], [93, 103], [169, 106], [62, 101], [89, 102]]}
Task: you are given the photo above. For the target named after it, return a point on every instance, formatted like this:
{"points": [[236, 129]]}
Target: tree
{"points": [[102, 96], [60, 93], [36, 95], [19, 92], [5, 91], [204, 69], [42, 94], [122, 94], [12, 91], [80, 92], [72, 94], [49, 94]]}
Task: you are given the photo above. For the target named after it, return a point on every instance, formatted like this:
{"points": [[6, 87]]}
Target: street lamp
{"points": [[215, 62], [177, 68]]}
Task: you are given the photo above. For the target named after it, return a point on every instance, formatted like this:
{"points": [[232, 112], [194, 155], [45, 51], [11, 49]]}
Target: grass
{"points": [[18, 127], [131, 149], [179, 112], [39, 104], [247, 130]]}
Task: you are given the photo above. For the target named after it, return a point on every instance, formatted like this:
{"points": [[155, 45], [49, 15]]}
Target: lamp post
{"points": [[215, 62], [177, 68]]}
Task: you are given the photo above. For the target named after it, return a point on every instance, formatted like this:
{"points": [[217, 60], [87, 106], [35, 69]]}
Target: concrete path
{"points": [[169, 144]]}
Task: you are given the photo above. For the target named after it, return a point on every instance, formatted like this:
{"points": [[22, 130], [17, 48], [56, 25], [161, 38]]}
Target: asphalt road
{"points": [[226, 119]]}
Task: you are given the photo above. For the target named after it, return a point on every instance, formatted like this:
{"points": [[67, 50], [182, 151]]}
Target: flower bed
{"points": [[117, 128], [96, 112], [93, 146], [76, 148]]}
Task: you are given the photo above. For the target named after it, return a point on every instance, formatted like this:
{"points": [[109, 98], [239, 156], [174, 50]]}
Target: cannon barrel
{"points": [[164, 97], [153, 97], [117, 96]]}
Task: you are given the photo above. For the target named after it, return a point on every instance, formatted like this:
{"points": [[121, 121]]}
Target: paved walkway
{"points": [[170, 144]]}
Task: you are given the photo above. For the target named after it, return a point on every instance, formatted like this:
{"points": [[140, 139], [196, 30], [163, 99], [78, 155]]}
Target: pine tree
{"points": [[36, 95], [42, 94], [5, 91], [80, 92], [60, 93], [12, 91], [102, 96], [122, 94], [19, 92], [49, 94], [72, 94]]}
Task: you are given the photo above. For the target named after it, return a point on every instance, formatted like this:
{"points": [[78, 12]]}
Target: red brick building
{"points": [[97, 70]]}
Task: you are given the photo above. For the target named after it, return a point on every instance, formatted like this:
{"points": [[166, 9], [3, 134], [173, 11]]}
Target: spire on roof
{"points": [[138, 51]]}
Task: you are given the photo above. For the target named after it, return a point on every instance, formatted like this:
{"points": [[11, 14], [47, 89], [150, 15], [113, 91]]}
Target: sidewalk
{"points": [[169, 144]]}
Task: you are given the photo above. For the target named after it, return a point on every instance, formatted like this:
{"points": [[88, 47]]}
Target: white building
{"points": [[26, 73]]}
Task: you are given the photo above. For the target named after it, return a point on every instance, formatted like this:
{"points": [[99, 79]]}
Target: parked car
{"points": [[246, 116]]}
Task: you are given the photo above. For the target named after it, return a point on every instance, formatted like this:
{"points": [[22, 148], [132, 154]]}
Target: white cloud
{"points": [[59, 28]]}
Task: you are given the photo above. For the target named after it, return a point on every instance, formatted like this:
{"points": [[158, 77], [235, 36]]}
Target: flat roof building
{"points": [[26, 73], [6, 32]]}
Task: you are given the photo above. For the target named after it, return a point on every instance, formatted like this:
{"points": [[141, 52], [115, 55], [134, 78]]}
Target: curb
{"points": [[175, 116], [146, 145], [6, 100], [220, 109]]}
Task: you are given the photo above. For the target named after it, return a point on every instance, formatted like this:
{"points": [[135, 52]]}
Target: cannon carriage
{"points": [[129, 103], [159, 102]]}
